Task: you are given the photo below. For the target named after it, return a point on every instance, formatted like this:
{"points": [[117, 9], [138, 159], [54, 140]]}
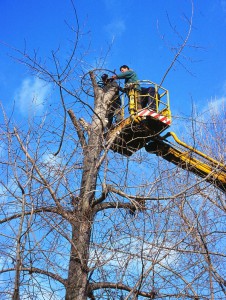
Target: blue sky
{"points": [[143, 34]]}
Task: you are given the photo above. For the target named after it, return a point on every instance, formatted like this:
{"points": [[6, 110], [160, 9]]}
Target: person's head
{"points": [[124, 68], [104, 77]]}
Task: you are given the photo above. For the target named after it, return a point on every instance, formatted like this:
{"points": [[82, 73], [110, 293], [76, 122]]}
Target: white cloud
{"points": [[223, 5], [31, 96], [224, 87], [2, 150], [115, 28], [130, 253], [112, 5], [215, 106], [51, 161]]}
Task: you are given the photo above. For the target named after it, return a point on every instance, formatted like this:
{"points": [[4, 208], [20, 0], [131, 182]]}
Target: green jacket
{"points": [[130, 77]]}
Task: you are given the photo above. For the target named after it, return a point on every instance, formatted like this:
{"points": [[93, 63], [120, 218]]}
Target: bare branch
{"points": [[34, 270], [118, 286], [78, 128], [45, 182], [182, 46]]}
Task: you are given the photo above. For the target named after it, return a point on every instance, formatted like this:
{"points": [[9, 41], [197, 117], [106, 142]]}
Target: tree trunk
{"points": [[82, 224], [77, 285], [78, 266]]}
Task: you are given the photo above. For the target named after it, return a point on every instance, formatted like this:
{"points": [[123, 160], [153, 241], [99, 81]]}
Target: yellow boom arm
{"points": [[186, 157]]}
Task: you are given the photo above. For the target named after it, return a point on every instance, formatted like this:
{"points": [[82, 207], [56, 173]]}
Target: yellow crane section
{"points": [[133, 132], [186, 157], [143, 128]]}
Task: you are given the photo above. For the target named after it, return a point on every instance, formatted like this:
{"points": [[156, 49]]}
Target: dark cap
{"points": [[104, 77]]}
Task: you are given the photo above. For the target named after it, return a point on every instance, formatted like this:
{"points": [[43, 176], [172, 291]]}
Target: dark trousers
{"points": [[149, 97], [115, 111]]}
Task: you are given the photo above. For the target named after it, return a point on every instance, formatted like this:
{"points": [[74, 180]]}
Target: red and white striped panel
{"points": [[154, 114]]}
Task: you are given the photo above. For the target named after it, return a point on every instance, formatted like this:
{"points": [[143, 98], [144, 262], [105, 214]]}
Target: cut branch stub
{"points": [[87, 83]]}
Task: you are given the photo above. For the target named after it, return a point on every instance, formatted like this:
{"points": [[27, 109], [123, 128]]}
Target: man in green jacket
{"points": [[130, 77]]}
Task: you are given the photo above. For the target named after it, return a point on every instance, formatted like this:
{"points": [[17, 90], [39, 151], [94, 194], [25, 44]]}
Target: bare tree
{"points": [[79, 221]]}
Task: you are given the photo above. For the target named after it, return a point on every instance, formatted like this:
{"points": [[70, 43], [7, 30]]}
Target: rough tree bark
{"points": [[82, 220]]}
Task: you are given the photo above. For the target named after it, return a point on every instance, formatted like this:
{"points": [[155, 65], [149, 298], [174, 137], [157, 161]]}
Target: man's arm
{"points": [[123, 75]]}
